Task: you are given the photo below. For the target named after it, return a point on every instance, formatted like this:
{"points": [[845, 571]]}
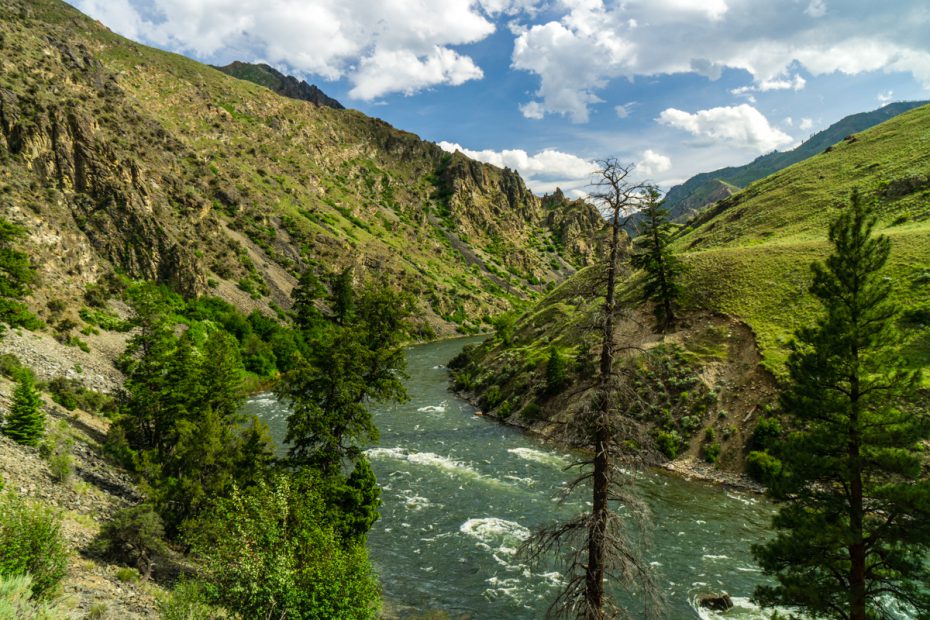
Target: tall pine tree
{"points": [[654, 256], [25, 423], [853, 532]]}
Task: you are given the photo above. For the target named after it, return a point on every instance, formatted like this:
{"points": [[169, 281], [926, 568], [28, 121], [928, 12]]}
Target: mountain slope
{"points": [[284, 85], [747, 275], [708, 187], [120, 157]]}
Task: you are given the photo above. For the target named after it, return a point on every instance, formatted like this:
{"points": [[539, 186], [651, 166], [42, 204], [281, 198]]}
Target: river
{"points": [[461, 491]]}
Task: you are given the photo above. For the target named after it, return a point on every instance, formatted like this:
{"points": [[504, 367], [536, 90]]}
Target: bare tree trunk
{"points": [[594, 577]]}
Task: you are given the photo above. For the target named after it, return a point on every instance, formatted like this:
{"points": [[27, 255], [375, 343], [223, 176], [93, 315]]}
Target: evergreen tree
{"points": [[853, 532], [306, 294], [556, 372], [16, 274], [25, 423], [654, 256]]}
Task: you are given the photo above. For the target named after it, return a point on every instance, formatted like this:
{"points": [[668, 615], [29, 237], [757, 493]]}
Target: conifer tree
{"points": [[654, 256], [853, 532], [25, 423], [16, 274]]}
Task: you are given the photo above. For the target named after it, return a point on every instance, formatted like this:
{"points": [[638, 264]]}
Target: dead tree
{"points": [[601, 544]]}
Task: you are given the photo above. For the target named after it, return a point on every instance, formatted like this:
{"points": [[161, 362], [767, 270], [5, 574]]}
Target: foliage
{"points": [[56, 449], [25, 423], [654, 256], [71, 394], [179, 423], [187, 601], [765, 434], [31, 543], [556, 372], [18, 603], [278, 556], [711, 451], [854, 527], [134, 535], [354, 357], [16, 275], [763, 467]]}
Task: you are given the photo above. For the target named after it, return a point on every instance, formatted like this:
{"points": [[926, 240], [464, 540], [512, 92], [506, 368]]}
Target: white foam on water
{"points": [[538, 456], [715, 557], [440, 408], [430, 459], [491, 529], [415, 502], [743, 609]]}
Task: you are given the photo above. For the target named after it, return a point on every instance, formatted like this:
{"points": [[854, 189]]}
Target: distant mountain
{"points": [[709, 187], [284, 85]]}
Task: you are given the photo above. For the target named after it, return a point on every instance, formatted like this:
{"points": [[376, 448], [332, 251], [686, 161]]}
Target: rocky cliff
{"points": [[122, 158]]}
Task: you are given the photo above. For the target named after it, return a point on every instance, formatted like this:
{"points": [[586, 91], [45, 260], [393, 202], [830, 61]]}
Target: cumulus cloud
{"points": [[652, 163], [742, 126], [594, 42], [806, 124], [543, 172], [885, 97], [381, 47]]}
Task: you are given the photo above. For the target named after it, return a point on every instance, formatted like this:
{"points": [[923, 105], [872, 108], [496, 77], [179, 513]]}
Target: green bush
{"points": [[669, 443], [187, 601], [767, 431], [17, 601], [711, 452], [31, 543], [12, 368], [763, 467], [71, 394], [134, 536], [127, 574], [275, 555], [531, 412], [556, 372]]}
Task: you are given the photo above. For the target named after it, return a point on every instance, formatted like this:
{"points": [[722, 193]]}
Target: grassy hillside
{"points": [[747, 275], [120, 157], [708, 187]]}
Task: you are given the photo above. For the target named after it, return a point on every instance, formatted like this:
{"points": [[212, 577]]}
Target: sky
{"points": [[548, 87]]}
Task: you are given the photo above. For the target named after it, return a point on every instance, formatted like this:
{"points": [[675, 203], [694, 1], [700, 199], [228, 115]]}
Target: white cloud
{"points": [[624, 110], [652, 163], [885, 97], [543, 172], [595, 41], [806, 124], [381, 47], [742, 126]]}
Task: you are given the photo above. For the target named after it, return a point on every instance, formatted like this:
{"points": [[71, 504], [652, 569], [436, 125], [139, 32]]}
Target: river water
{"points": [[461, 492]]}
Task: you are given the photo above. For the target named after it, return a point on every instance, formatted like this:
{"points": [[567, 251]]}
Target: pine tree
{"points": [[853, 532], [25, 423], [16, 274], [654, 256]]}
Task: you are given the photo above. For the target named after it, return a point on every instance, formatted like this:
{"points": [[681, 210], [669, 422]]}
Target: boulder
{"points": [[716, 602]]}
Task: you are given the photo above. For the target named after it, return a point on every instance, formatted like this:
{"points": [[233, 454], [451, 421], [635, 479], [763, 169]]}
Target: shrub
{"points": [[25, 423], [56, 449], [18, 601], [135, 536], [712, 452], [71, 394], [767, 431], [31, 543], [277, 555], [763, 467], [127, 574], [187, 601], [669, 443], [12, 368], [531, 412]]}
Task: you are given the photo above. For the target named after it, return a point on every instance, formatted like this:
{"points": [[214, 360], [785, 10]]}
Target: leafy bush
{"points": [[767, 431], [135, 536], [71, 394], [56, 449], [531, 412], [18, 602], [763, 467], [127, 574], [187, 601], [12, 368], [31, 543], [275, 554], [669, 443], [711, 452]]}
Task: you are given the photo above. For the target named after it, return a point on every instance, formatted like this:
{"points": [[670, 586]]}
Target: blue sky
{"points": [[546, 86]]}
